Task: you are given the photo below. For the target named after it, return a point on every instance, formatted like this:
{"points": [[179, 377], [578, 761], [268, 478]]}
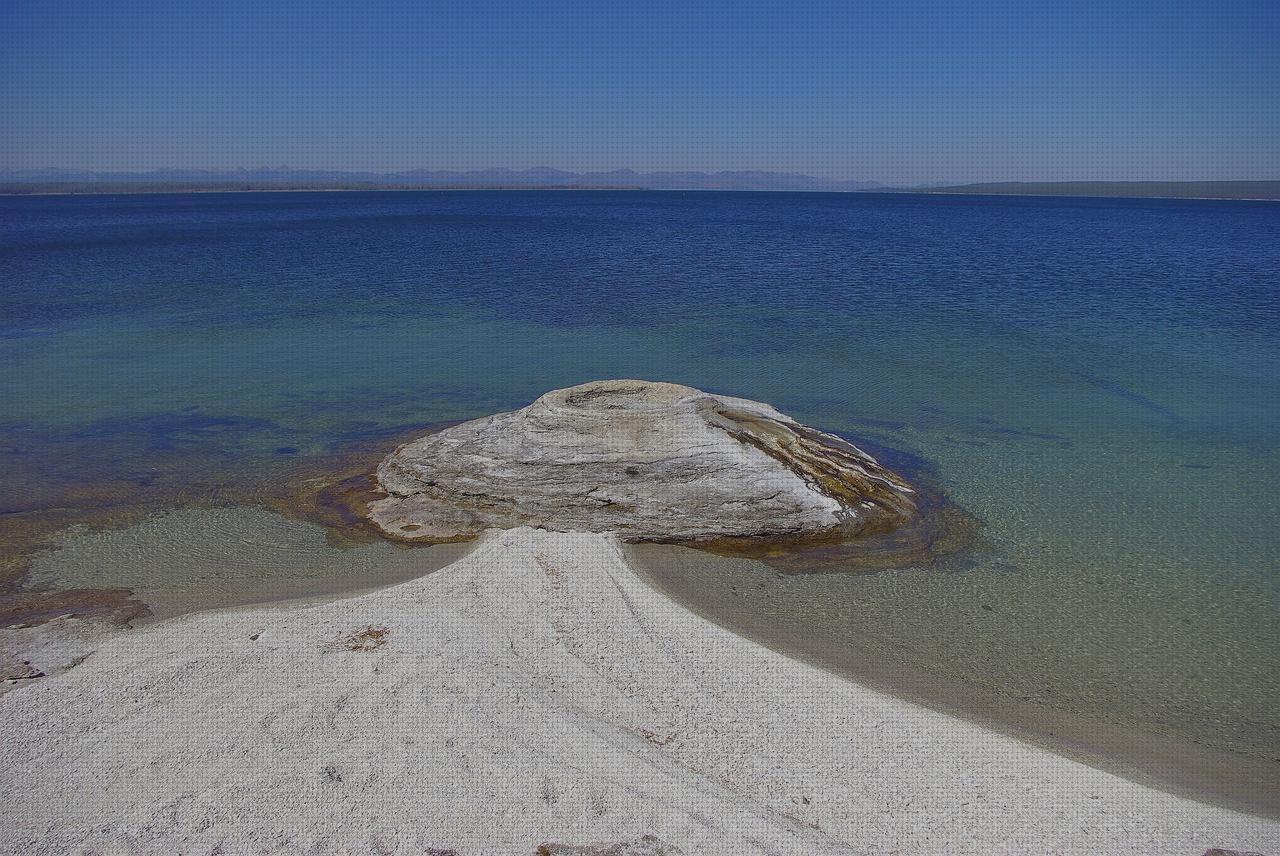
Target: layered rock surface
{"points": [[650, 461]]}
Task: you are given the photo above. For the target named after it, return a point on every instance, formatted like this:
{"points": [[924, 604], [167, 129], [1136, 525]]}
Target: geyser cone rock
{"points": [[650, 461]]}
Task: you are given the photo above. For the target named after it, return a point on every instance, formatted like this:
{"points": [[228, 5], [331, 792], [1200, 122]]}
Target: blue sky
{"points": [[889, 91]]}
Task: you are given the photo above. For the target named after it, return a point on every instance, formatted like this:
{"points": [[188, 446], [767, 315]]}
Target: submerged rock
{"points": [[651, 461]]}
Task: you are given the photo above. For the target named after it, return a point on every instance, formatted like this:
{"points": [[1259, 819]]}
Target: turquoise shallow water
{"points": [[1097, 381]]}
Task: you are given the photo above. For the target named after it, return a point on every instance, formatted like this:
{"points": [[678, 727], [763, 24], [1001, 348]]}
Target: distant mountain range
{"points": [[541, 177], [284, 178], [1135, 189]]}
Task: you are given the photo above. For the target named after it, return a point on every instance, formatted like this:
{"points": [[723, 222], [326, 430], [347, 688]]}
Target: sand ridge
{"points": [[537, 690]]}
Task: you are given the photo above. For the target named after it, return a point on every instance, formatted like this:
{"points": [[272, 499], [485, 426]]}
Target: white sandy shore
{"points": [[535, 691]]}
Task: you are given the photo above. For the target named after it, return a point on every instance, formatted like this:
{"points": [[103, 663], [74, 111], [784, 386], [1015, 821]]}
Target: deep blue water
{"points": [[1097, 380]]}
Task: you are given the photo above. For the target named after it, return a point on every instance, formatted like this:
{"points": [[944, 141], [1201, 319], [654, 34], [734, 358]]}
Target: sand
{"points": [[536, 691]]}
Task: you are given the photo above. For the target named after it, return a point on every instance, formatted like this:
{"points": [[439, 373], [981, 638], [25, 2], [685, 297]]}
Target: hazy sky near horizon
{"points": [[887, 91]]}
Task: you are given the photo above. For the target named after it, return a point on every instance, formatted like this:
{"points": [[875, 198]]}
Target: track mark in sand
{"points": [[655, 738], [559, 609]]}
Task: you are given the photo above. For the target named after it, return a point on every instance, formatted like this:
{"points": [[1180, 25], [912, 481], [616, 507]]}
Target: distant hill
{"points": [[173, 180], [284, 178], [1178, 189]]}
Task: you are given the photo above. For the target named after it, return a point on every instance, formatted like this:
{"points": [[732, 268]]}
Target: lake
{"points": [[1097, 382]]}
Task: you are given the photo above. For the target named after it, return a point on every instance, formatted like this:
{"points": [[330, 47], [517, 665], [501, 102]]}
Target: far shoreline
{"points": [[135, 190]]}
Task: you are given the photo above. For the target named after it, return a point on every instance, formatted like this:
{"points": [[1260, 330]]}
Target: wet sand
{"points": [[185, 559], [703, 583], [535, 693], [199, 559]]}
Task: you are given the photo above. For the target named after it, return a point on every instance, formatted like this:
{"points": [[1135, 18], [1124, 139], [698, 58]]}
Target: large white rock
{"points": [[651, 461]]}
